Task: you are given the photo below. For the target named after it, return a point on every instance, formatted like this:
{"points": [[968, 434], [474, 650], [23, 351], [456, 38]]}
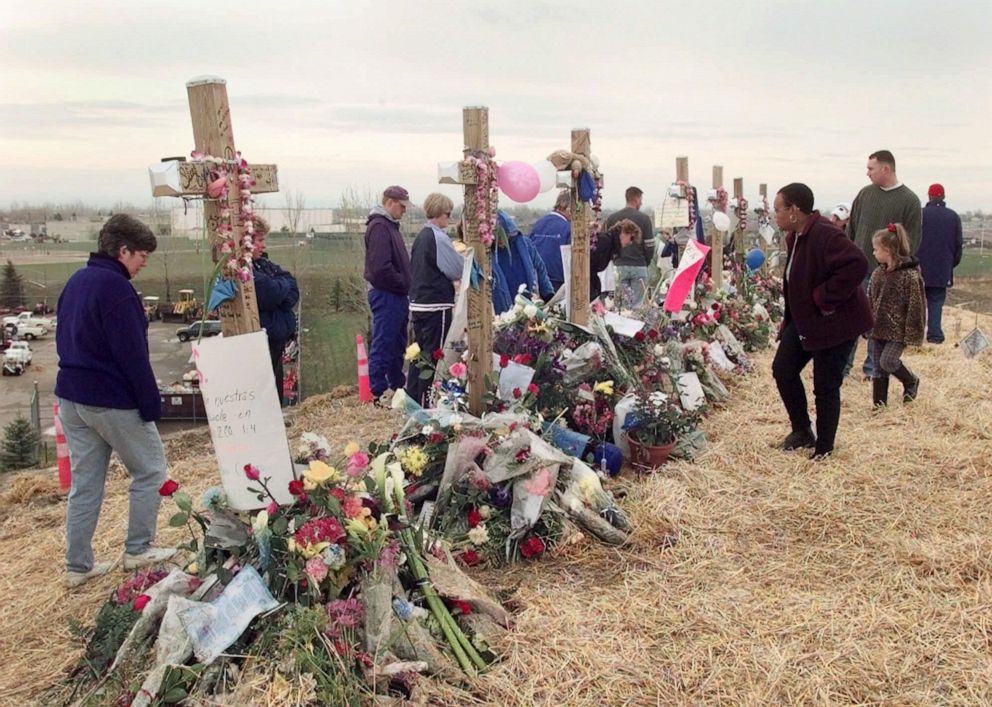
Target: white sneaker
{"points": [[151, 556], [75, 579]]}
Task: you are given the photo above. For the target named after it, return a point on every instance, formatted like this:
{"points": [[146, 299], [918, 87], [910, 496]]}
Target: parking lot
{"points": [[169, 361]]}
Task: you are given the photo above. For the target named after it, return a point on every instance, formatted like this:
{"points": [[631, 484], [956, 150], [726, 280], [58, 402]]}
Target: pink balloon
{"points": [[519, 181]]}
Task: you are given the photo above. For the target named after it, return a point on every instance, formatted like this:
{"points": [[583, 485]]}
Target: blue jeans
{"points": [[636, 278], [935, 307], [389, 320], [93, 433]]}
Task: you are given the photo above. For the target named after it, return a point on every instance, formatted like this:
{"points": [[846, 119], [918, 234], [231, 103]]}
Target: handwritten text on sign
{"points": [[246, 422]]}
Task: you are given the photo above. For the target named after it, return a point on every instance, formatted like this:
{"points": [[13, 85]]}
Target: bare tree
{"points": [[296, 202]]}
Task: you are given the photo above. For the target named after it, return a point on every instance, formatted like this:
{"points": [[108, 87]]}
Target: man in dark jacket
{"points": [[633, 261], [277, 294], [109, 399], [826, 310], [939, 254], [387, 272]]}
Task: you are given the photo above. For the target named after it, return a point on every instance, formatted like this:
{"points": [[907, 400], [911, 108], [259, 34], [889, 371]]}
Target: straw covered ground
{"points": [[754, 576]]}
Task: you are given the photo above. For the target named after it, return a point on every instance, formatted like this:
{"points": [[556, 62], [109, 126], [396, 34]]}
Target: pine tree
{"points": [[336, 293], [19, 448], [11, 287]]}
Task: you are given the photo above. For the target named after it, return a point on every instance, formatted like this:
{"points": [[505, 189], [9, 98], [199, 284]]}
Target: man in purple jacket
{"points": [[387, 272], [939, 254], [826, 309], [109, 399]]}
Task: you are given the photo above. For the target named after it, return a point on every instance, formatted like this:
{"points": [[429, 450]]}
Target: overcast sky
{"points": [[355, 94]]}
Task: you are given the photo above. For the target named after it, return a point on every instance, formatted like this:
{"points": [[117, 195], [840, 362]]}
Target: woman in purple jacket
{"points": [[826, 310]]}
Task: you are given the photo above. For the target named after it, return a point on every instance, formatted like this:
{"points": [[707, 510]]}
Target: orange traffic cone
{"points": [[62, 452], [364, 387]]}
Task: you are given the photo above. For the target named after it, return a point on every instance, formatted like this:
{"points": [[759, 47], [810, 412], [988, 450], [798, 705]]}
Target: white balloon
{"points": [[721, 221], [548, 174]]}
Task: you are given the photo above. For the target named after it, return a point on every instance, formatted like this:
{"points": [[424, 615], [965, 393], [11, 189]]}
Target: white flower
{"points": [[659, 350], [486, 512], [530, 311], [479, 535]]}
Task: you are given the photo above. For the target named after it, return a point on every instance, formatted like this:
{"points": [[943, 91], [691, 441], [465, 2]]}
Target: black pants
{"points": [[828, 375], [429, 330], [276, 347]]}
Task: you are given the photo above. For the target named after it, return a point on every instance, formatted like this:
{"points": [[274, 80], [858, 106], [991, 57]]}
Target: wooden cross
{"points": [[739, 237], [213, 135], [682, 177], [579, 295], [763, 193], [716, 239], [475, 128]]}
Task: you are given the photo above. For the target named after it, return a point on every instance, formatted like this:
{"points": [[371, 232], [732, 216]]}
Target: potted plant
{"points": [[654, 425]]}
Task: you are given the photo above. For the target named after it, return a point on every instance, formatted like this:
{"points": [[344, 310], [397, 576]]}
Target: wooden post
{"points": [[740, 245], [579, 296], [213, 135], [475, 127], [766, 217], [682, 170], [716, 239]]}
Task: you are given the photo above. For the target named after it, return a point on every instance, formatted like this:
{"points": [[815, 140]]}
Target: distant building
{"points": [[188, 223]]}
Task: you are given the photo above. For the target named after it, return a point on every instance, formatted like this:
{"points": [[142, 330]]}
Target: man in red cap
{"points": [[387, 272], [939, 254]]}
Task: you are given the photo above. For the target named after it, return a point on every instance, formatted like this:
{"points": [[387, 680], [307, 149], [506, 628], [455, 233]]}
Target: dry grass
{"points": [[866, 579]]}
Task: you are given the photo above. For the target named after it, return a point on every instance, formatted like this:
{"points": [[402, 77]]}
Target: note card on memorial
{"points": [[246, 423]]}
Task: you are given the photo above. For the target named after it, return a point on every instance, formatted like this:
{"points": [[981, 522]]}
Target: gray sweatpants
{"points": [[93, 433]]}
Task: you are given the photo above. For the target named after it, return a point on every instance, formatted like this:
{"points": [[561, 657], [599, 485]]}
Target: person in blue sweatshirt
{"points": [[550, 233], [517, 266], [109, 399], [387, 272], [277, 294]]}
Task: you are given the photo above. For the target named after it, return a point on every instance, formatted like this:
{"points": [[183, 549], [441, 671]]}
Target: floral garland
{"points": [[486, 192], [690, 194], [742, 214], [239, 261]]}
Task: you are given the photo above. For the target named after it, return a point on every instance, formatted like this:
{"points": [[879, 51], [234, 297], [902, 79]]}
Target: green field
{"points": [[329, 272]]}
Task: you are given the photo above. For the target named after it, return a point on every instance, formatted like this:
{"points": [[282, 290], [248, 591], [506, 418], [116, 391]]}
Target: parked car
{"points": [[16, 358], [210, 328], [29, 330], [30, 318]]}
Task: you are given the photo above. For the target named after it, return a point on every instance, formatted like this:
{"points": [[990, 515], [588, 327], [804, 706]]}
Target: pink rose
{"points": [[141, 601], [458, 370]]}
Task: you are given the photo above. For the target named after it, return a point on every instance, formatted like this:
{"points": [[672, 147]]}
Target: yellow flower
{"points": [[590, 488], [604, 387], [351, 448], [309, 551], [291, 545], [414, 461], [358, 526], [319, 472], [412, 351], [193, 568]]}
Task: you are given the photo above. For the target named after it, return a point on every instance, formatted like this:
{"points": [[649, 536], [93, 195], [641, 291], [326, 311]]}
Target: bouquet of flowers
{"points": [[658, 419]]}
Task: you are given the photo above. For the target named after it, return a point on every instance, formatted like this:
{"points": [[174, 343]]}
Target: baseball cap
{"points": [[398, 193], [936, 191], [841, 211]]}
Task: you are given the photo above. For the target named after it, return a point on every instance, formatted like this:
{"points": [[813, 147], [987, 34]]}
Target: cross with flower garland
{"points": [[477, 173], [219, 173], [716, 240]]}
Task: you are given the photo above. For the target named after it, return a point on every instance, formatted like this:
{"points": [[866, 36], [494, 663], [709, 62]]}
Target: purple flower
{"points": [[500, 496]]}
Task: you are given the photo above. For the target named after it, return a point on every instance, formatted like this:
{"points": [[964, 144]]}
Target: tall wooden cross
{"points": [[213, 135], [716, 239], [682, 177], [739, 236], [475, 128], [579, 295]]}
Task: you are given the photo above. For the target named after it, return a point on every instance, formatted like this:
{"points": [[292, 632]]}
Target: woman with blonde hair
{"points": [[434, 267]]}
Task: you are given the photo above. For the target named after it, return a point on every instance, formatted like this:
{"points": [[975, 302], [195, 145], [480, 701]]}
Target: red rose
{"points": [[504, 361], [251, 472], [533, 389], [438, 354], [532, 546], [652, 333], [470, 558], [296, 487], [517, 393], [462, 607], [474, 518], [522, 359], [141, 601], [436, 438], [639, 336], [168, 488]]}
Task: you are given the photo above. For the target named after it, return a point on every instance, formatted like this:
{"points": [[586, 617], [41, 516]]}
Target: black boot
{"points": [[799, 440], [880, 391], [910, 383]]}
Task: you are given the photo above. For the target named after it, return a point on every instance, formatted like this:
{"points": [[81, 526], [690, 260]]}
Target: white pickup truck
{"points": [[16, 358], [30, 330], [28, 318]]}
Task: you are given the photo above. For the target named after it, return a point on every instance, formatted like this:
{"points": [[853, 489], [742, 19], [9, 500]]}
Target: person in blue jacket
{"points": [[939, 253], [109, 399], [517, 266], [550, 233], [277, 294]]}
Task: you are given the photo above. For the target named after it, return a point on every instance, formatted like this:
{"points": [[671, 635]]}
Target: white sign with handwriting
{"points": [[246, 423]]}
